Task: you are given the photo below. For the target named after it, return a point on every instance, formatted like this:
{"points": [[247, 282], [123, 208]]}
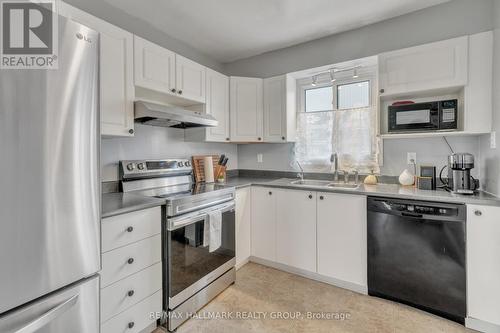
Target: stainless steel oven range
{"points": [[192, 274]]}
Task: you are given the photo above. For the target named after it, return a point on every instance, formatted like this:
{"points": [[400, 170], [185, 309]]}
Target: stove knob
{"points": [[130, 166], [140, 166], [180, 164], [187, 163]]}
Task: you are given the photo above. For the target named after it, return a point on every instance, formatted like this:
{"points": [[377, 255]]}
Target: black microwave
{"points": [[421, 117]]}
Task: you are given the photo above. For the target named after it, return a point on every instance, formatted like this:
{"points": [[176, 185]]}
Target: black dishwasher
{"points": [[416, 254]]}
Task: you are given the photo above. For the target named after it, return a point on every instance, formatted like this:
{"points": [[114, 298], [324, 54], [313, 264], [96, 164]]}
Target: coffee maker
{"points": [[459, 179]]}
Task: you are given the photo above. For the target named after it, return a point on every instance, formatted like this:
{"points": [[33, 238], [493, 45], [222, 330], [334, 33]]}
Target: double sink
{"points": [[323, 183]]}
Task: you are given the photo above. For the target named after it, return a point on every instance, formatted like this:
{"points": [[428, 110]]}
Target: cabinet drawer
{"points": [[123, 294], [136, 318], [128, 228], [130, 259]]}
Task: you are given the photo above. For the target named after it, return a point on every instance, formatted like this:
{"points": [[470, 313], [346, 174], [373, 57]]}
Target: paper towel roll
{"points": [[209, 169]]}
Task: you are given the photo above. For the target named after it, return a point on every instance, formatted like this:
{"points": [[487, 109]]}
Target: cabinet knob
{"points": [[130, 261], [478, 213], [270, 193], [173, 90], [321, 197], [283, 138], [131, 131], [130, 229], [131, 324], [130, 293], [310, 196], [180, 92], [382, 91], [227, 139], [259, 139]]}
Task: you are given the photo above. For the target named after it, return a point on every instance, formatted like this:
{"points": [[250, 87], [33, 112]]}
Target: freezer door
{"points": [[74, 309], [49, 172]]}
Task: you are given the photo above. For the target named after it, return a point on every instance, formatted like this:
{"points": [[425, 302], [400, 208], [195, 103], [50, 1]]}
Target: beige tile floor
{"points": [[263, 289]]}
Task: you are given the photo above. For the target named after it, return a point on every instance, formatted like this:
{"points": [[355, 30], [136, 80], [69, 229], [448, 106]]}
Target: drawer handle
{"points": [[310, 196], [321, 197], [270, 193], [130, 293], [478, 213], [130, 229], [131, 324], [130, 261]]}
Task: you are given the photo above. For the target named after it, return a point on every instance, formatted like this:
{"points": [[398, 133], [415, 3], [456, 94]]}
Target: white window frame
{"points": [[306, 84]]}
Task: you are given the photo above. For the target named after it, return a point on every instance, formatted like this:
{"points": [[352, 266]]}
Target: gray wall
{"points": [[430, 151], [143, 29], [490, 158], [452, 19], [156, 143]]}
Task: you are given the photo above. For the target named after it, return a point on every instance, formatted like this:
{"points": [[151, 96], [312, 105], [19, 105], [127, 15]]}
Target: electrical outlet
{"points": [[411, 158], [493, 140], [259, 158]]}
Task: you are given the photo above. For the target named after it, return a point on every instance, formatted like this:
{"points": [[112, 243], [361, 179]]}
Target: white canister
{"points": [[208, 165], [406, 178]]}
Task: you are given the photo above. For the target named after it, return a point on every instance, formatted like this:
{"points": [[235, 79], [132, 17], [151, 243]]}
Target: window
{"points": [[338, 118], [319, 99], [353, 95]]}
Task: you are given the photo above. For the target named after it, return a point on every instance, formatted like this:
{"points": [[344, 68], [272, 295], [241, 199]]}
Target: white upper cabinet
{"points": [[217, 104], [246, 109], [154, 66], [478, 93], [168, 73], [342, 238], [296, 222], [190, 79], [279, 109], [116, 72], [264, 223], [426, 67], [483, 263]]}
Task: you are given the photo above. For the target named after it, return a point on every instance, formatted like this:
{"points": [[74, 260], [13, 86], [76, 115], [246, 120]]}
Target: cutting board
{"points": [[199, 167]]}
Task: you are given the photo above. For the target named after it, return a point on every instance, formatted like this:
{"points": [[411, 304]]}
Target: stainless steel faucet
{"points": [[301, 173], [334, 159]]}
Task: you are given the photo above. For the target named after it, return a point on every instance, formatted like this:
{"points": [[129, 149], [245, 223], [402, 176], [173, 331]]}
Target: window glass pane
{"points": [[319, 99], [353, 95]]}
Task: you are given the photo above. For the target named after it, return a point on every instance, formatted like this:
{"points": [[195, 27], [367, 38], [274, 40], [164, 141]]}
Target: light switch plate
{"points": [[493, 140], [259, 158], [411, 158]]}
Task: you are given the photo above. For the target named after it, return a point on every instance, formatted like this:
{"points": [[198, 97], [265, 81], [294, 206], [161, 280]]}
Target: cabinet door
{"points": [[246, 109], [483, 263], [264, 223], [116, 73], [424, 67], [296, 222], [190, 79], [275, 109], [217, 104], [154, 67], [243, 220], [342, 237]]}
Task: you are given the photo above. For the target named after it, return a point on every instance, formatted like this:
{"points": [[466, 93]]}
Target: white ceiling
{"points": [[228, 30]]}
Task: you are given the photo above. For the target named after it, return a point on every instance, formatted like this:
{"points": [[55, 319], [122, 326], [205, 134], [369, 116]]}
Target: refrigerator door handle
{"points": [[49, 316]]}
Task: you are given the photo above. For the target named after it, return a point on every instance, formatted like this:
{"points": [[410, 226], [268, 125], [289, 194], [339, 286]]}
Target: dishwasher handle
{"points": [[412, 215]]}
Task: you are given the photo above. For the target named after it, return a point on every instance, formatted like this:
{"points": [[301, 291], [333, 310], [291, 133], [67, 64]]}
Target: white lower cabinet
{"points": [[296, 225], [264, 223], [341, 229], [319, 235], [243, 229], [131, 274], [483, 266]]}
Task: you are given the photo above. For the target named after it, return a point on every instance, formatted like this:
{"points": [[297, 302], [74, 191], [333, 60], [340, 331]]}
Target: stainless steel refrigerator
{"points": [[50, 192]]}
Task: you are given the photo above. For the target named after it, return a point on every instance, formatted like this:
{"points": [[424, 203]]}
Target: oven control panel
{"points": [[143, 168]]}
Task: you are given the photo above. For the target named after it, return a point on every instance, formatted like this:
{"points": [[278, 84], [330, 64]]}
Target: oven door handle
{"points": [[179, 222]]}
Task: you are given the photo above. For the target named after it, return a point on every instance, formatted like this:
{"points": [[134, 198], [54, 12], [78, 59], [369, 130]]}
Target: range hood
{"points": [[171, 116]]}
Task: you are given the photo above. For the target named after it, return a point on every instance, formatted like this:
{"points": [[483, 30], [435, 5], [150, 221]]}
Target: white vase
{"points": [[406, 178]]}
